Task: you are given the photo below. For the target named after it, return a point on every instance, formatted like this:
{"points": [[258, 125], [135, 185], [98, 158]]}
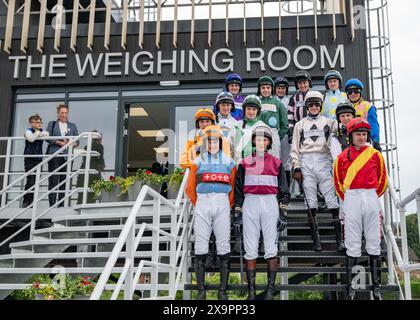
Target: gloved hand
{"points": [[290, 135], [377, 146], [298, 175], [237, 217], [282, 221]]}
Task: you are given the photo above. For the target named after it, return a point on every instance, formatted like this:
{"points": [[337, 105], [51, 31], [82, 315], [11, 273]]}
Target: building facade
{"points": [[136, 71]]}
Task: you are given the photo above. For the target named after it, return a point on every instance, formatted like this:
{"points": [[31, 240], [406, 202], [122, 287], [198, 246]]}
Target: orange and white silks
{"points": [[194, 147], [364, 170]]}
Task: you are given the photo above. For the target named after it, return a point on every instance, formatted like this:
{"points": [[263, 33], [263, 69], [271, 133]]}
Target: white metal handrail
{"points": [[128, 278], [70, 174], [402, 259]]}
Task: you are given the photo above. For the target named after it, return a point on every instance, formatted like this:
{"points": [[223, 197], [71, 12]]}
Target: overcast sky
{"points": [[404, 19]]}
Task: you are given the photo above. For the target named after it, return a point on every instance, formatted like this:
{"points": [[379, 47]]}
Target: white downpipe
{"points": [[388, 224]]}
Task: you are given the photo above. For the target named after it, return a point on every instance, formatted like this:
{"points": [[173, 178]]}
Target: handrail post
{"points": [[87, 168], [404, 247], [35, 201], [155, 247], [6, 170], [186, 276], [418, 212], [388, 223], [173, 262], [129, 248], [68, 173]]}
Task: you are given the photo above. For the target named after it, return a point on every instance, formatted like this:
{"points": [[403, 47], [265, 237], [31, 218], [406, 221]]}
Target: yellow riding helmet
{"points": [[204, 114]]}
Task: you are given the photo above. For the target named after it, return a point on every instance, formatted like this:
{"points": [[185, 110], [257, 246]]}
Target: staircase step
{"points": [[294, 287], [87, 241], [108, 287], [103, 216], [78, 255], [314, 270], [308, 238], [55, 270], [91, 229]]}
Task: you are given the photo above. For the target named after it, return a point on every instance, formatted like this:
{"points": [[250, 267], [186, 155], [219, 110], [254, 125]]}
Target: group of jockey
{"points": [[245, 151]]}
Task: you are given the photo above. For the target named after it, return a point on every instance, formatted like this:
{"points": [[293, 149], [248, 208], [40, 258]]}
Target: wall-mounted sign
{"points": [[177, 62]]}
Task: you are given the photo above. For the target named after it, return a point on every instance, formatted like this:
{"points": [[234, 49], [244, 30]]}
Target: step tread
{"points": [[294, 287], [90, 228], [76, 241], [92, 270], [76, 255], [101, 216], [315, 270]]}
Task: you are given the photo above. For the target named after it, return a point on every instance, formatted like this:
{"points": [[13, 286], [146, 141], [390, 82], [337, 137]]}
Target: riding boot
{"points": [[200, 270], [271, 278], [351, 262], [375, 269], [224, 276], [339, 239], [211, 260], [313, 224], [251, 266]]}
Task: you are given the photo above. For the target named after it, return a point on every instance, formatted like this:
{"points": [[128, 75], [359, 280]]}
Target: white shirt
{"points": [[31, 137], [63, 128]]}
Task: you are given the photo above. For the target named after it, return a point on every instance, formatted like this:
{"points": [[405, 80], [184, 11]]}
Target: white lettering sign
{"points": [[177, 62]]}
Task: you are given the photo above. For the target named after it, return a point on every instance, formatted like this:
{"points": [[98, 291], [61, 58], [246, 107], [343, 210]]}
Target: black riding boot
{"points": [[224, 276], [211, 260], [251, 266], [313, 224], [200, 271], [351, 262], [339, 239], [271, 278], [375, 270]]}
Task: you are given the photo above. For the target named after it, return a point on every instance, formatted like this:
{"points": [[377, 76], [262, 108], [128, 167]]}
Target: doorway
{"points": [[155, 132]]}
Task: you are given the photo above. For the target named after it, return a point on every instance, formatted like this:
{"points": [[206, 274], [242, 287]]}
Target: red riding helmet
{"points": [[358, 124]]}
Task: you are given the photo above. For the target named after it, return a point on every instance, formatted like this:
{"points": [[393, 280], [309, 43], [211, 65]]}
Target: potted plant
{"points": [[110, 190], [61, 287], [174, 182], [130, 187], [154, 181]]}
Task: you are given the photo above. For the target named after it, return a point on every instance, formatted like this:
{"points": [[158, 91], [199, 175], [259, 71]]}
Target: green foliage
{"points": [[60, 287], [150, 178], [102, 185], [413, 234], [175, 179]]}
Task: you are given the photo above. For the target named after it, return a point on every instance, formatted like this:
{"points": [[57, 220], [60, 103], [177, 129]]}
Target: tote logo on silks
{"points": [[216, 177]]}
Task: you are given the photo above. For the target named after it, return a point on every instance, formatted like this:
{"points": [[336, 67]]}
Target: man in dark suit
{"points": [[161, 167], [60, 127]]}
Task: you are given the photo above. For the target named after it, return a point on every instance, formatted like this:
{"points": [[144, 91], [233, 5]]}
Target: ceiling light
{"points": [[151, 133], [138, 112]]}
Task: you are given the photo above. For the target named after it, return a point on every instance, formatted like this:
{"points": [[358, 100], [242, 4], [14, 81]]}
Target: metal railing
{"points": [[41, 177], [179, 233], [402, 259]]}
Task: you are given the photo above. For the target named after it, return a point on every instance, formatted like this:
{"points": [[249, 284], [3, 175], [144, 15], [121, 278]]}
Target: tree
{"points": [[413, 234]]}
